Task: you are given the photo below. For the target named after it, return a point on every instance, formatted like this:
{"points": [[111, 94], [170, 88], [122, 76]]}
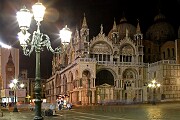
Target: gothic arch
{"points": [[76, 74], [86, 75], [70, 76], [66, 59], [70, 80], [64, 83], [58, 80]]}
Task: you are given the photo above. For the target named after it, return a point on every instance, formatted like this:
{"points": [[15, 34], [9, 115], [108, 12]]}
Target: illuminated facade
{"points": [[117, 68], [9, 70]]}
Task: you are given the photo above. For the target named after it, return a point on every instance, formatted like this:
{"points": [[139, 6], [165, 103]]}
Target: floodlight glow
{"points": [[5, 46], [11, 85], [15, 81], [22, 85], [65, 35]]}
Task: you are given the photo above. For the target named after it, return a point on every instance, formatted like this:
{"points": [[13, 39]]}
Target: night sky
{"points": [[70, 12]]}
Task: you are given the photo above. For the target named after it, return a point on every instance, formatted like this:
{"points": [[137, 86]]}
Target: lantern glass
{"points": [[21, 85], [11, 85], [24, 18], [38, 11], [65, 35]]}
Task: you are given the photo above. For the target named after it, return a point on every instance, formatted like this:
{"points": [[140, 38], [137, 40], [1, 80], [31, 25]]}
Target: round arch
{"points": [[129, 73], [128, 48], [104, 76], [108, 69], [86, 75], [103, 44]]}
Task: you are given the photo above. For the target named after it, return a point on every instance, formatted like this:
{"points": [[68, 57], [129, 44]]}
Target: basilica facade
{"points": [[116, 68]]}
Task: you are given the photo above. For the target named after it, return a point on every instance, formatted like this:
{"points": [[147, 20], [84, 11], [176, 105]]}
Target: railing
{"points": [[77, 61], [162, 62], [87, 59], [110, 63], [120, 63]]}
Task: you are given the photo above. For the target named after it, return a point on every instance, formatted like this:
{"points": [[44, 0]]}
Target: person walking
{"points": [[59, 105]]}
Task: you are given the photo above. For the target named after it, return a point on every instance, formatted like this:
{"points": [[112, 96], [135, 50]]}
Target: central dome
{"points": [[160, 31], [121, 28]]}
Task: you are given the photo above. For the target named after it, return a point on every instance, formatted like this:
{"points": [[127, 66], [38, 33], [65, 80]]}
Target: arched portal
{"points": [[86, 79], [104, 86], [104, 76], [132, 91]]}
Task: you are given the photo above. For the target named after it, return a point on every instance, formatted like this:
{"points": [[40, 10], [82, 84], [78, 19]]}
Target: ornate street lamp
{"points": [[38, 41], [154, 85], [14, 86]]}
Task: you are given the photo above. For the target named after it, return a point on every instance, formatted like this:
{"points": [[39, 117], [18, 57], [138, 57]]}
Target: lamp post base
{"points": [[15, 108]]}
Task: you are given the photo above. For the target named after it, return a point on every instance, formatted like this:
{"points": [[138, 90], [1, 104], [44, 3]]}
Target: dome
{"points": [[121, 28], [159, 17], [161, 31]]}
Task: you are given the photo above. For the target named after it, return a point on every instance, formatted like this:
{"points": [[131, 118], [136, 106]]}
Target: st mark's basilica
{"points": [[117, 68]]}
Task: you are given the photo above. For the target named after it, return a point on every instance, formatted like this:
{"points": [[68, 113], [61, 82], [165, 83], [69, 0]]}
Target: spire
{"points": [[138, 29], [10, 61], [77, 33], [101, 32], [114, 25], [10, 56], [84, 24]]}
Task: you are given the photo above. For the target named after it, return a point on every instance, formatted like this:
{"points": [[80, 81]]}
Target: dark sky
{"points": [[70, 12]]}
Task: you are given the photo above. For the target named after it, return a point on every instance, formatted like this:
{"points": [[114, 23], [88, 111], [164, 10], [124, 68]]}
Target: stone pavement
{"points": [[160, 111], [23, 114]]}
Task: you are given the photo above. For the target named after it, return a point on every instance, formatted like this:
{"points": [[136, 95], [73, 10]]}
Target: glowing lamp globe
{"points": [[24, 18], [38, 11], [65, 35]]}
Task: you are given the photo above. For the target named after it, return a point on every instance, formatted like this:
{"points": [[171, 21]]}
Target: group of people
{"points": [[63, 104], [10, 104]]}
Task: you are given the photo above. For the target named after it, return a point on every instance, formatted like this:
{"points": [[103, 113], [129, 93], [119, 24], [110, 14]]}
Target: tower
{"points": [[84, 42], [138, 37], [115, 34], [10, 70]]}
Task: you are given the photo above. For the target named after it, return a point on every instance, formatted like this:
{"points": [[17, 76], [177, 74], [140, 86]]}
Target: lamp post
{"points": [[14, 86], [28, 97], [154, 85], [38, 41]]}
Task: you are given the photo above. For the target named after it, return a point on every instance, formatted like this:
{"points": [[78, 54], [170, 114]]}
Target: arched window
{"points": [[66, 60], [164, 55], [168, 50], [126, 53], [64, 84], [173, 53]]}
